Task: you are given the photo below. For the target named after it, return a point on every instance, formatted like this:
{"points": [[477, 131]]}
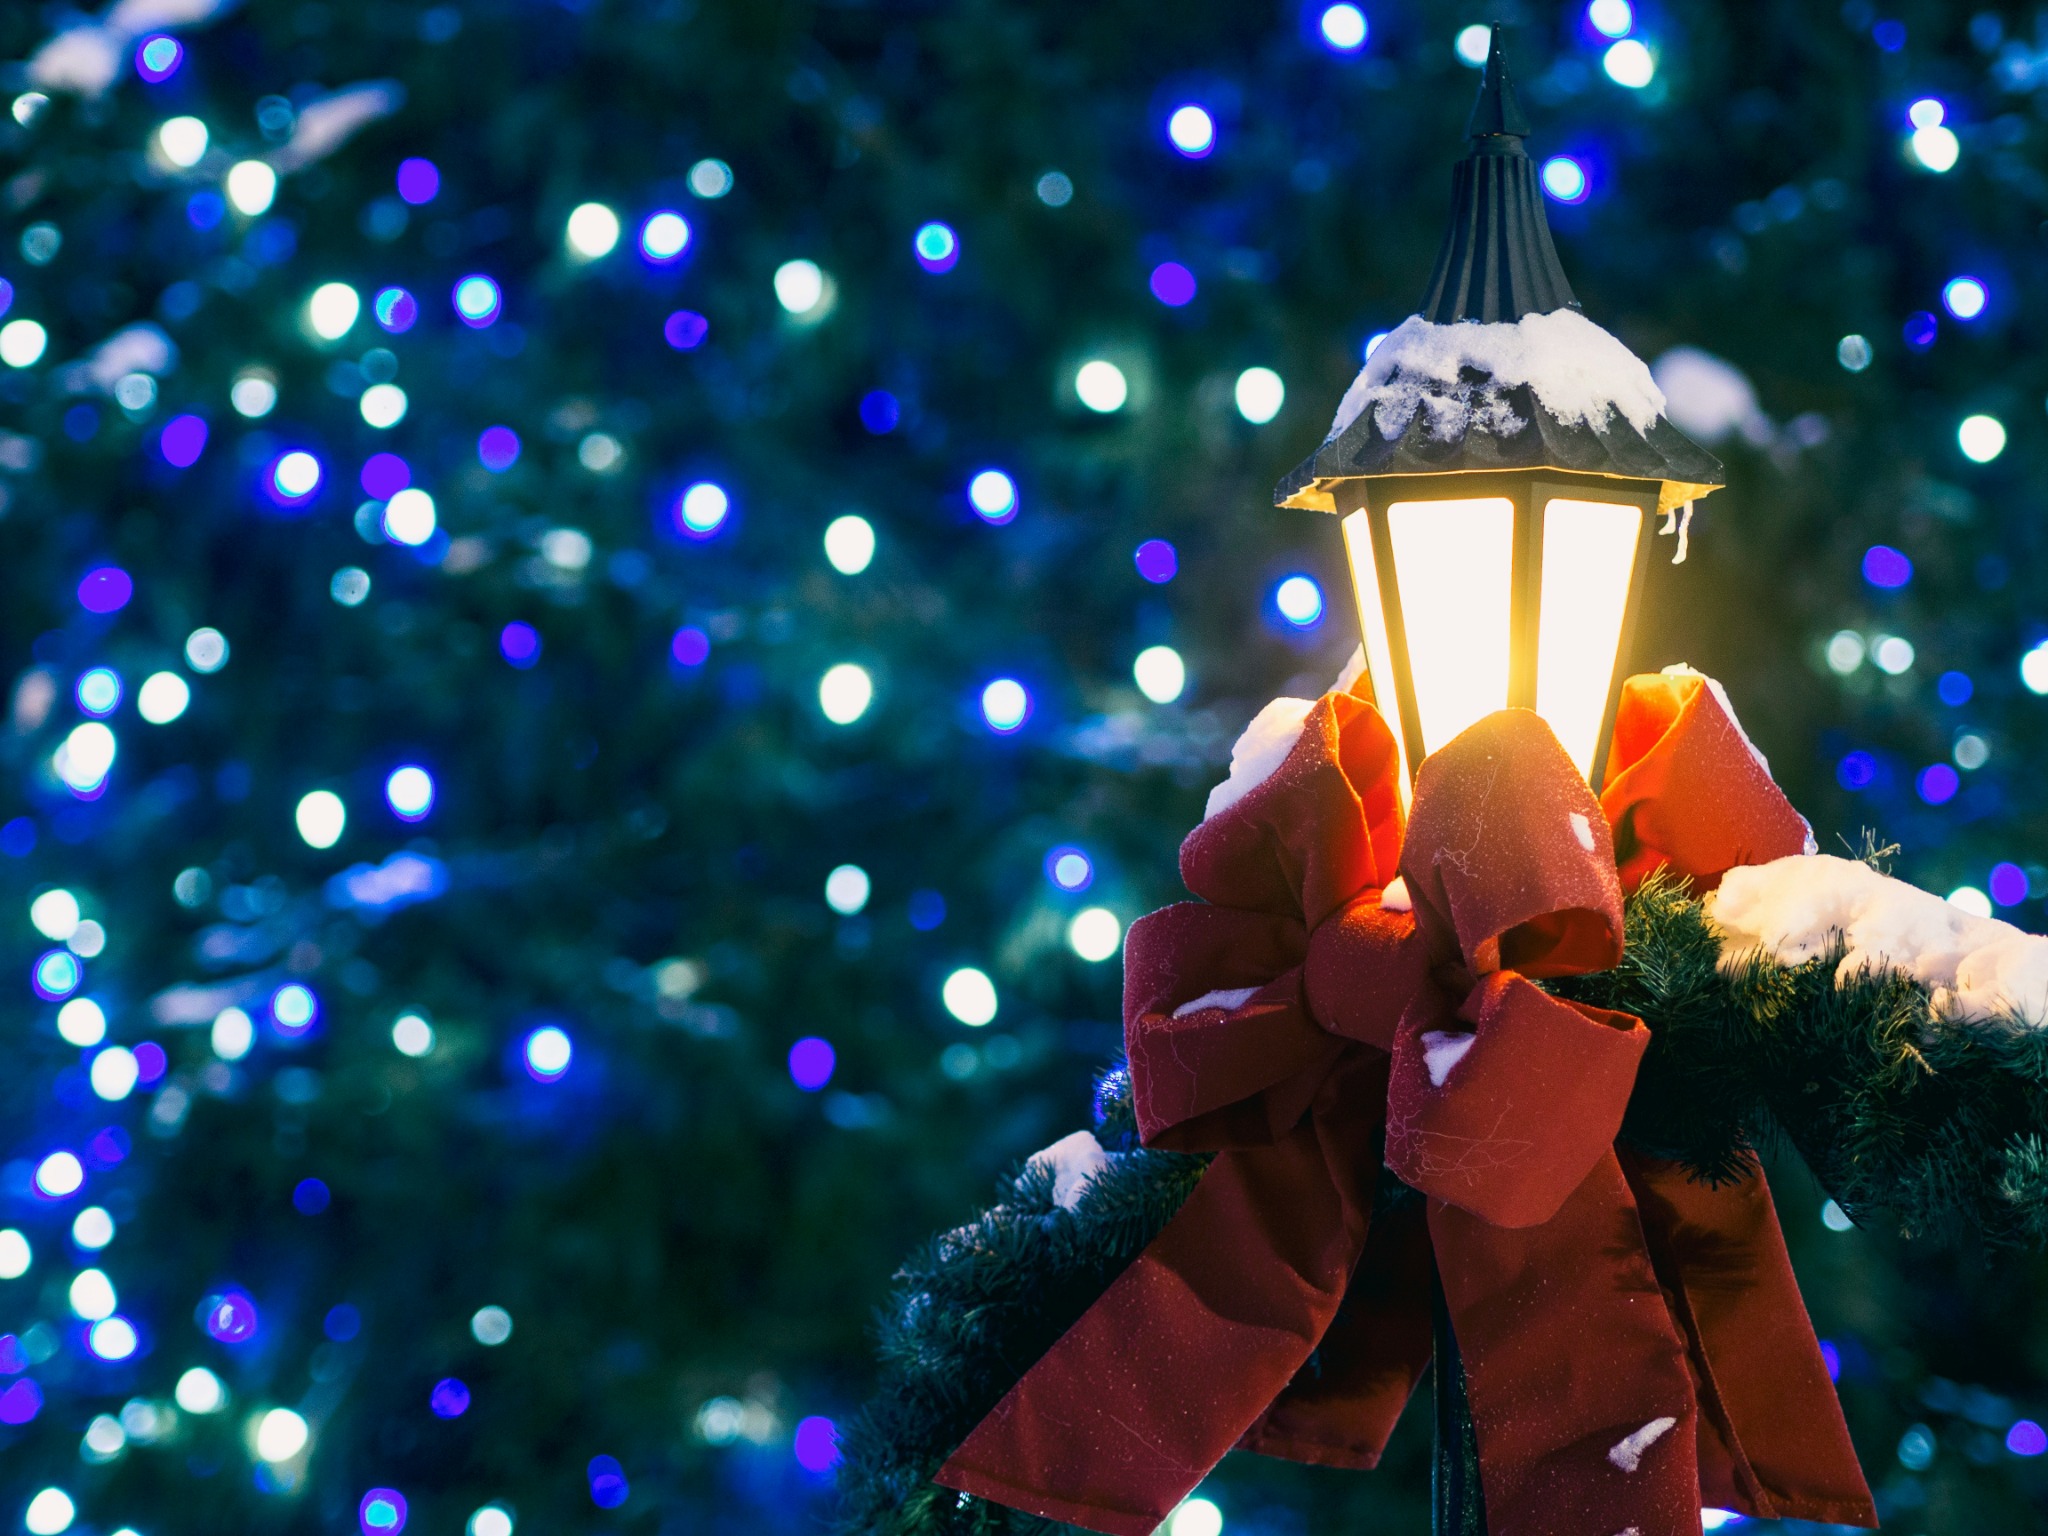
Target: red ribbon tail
{"points": [[1777, 1447], [1582, 1398], [1135, 1404]]}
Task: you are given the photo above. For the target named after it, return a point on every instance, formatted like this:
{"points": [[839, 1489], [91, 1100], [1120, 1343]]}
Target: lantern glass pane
{"points": [[1372, 617], [1454, 565], [1589, 557]]}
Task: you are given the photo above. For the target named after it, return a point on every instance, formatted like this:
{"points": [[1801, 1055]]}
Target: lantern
{"points": [[1497, 467]]}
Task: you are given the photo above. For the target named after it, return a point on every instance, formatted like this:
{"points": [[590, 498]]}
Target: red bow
{"points": [[1634, 1342]]}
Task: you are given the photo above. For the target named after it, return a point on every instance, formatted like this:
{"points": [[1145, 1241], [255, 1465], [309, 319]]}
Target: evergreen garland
{"points": [[1940, 1123]]}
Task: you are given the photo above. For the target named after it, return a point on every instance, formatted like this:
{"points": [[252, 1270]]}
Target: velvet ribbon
{"points": [[1634, 1342]]}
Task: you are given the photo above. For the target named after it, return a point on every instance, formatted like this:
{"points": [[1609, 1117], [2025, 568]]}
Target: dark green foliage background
{"points": [[675, 1221]]}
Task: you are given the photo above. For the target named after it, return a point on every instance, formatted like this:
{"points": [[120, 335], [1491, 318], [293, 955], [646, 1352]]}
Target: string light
{"points": [[1191, 130]]}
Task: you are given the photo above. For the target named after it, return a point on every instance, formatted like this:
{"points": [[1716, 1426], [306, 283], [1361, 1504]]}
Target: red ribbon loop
{"points": [[1302, 1029]]}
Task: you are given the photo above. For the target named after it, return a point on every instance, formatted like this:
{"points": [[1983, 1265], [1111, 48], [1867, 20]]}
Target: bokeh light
{"points": [[294, 1009], [1971, 900], [478, 301], [397, 311], [22, 343], [59, 1176], [1565, 179], [382, 1511], [200, 1391], [409, 791], [251, 187], [844, 693], [1160, 673], [1195, 1517], [419, 181], [2008, 885], [1259, 394], [709, 179], [664, 236], [519, 643], [1300, 601], [157, 58], [1172, 284], [1069, 868], [1094, 933], [491, 1326], [98, 690], [591, 232], [1472, 44], [332, 310], [412, 1035], [701, 510], [1005, 705], [1101, 386], [113, 1073], [295, 478], [1982, 438], [685, 329], [689, 646], [1343, 28], [1934, 147], [105, 589], [497, 449], [321, 818], [1964, 297], [182, 141], [82, 1022], [449, 1399], [811, 1063], [1886, 567], [970, 996], [182, 441], [608, 1486], [993, 495], [936, 247], [50, 1512], [1629, 63], [847, 889], [1191, 130], [410, 517], [1157, 561], [1611, 18], [280, 1435], [849, 544], [547, 1053], [816, 1444], [800, 286]]}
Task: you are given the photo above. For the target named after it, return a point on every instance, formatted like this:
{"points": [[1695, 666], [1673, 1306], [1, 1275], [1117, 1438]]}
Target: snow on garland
{"points": [[1801, 909]]}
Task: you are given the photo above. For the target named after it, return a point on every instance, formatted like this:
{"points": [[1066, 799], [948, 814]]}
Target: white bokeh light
{"points": [[1192, 130], [82, 1022], [800, 286], [16, 1254], [1094, 934], [86, 757], [251, 187], [409, 791], [847, 889], [321, 818], [592, 231], [382, 406], [412, 1035], [1982, 438], [1160, 673], [993, 494], [1101, 386], [1260, 393], [410, 517], [92, 1295], [332, 310], [1472, 44], [844, 693], [22, 343], [850, 544], [1196, 1517], [1629, 63], [55, 914], [162, 698], [200, 1391], [114, 1073], [92, 1228], [233, 1033], [970, 996], [182, 141], [280, 1435], [49, 1513]]}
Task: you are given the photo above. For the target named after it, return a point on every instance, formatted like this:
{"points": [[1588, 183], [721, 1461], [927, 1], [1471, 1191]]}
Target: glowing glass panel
{"points": [[1589, 553], [1454, 567], [1379, 651]]}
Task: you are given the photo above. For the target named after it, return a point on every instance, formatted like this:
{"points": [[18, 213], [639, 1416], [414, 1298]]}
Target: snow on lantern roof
{"points": [[1499, 370]]}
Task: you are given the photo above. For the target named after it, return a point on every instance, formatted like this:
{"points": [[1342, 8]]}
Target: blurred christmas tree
{"points": [[611, 604]]}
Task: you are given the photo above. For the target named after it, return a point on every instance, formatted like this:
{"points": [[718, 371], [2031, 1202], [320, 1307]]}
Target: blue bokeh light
{"points": [[936, 246], [1886, 567], [1069, 868], [811, 1063], [1565, 179], [1938, 783]]}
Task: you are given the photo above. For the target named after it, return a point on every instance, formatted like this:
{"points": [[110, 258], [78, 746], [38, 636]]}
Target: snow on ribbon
{"points": [[1257, 754], [1798, 909], [1578, 371]]}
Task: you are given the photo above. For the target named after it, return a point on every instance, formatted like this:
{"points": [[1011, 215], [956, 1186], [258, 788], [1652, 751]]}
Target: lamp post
{"points": [[1496, 466]]}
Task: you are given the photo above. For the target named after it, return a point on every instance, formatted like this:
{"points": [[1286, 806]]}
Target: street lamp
{"points": [[1496, 466]]}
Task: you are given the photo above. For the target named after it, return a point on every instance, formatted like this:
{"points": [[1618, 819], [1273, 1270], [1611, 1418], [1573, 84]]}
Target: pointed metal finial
{"points": [[1497, 262], [1496, 111]]}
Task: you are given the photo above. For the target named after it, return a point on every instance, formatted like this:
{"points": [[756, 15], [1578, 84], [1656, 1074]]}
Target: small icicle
{"points": [[1684, 528]]}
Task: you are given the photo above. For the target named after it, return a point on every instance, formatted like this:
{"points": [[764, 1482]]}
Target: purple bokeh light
{"points": [[1886, 567], [182, 440], [519, 644], [1856, 771], [1938, 783], [685, 329], [811, 1063], [21, 1402], [382, 1512], [1920, 330], [2026, 1438], [691, 647], [608, 1485], [229, 1317], [105, 589], [817, 1444], [157, 58], [2009, 885], [396, 310], [449, 1399], [1173, 284], [150, 1062], [1158, 562], [385, 475], [419, 181], [497, 449]]}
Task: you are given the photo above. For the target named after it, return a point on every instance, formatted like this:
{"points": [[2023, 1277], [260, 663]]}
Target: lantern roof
{"points": [[1499, 370]]}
